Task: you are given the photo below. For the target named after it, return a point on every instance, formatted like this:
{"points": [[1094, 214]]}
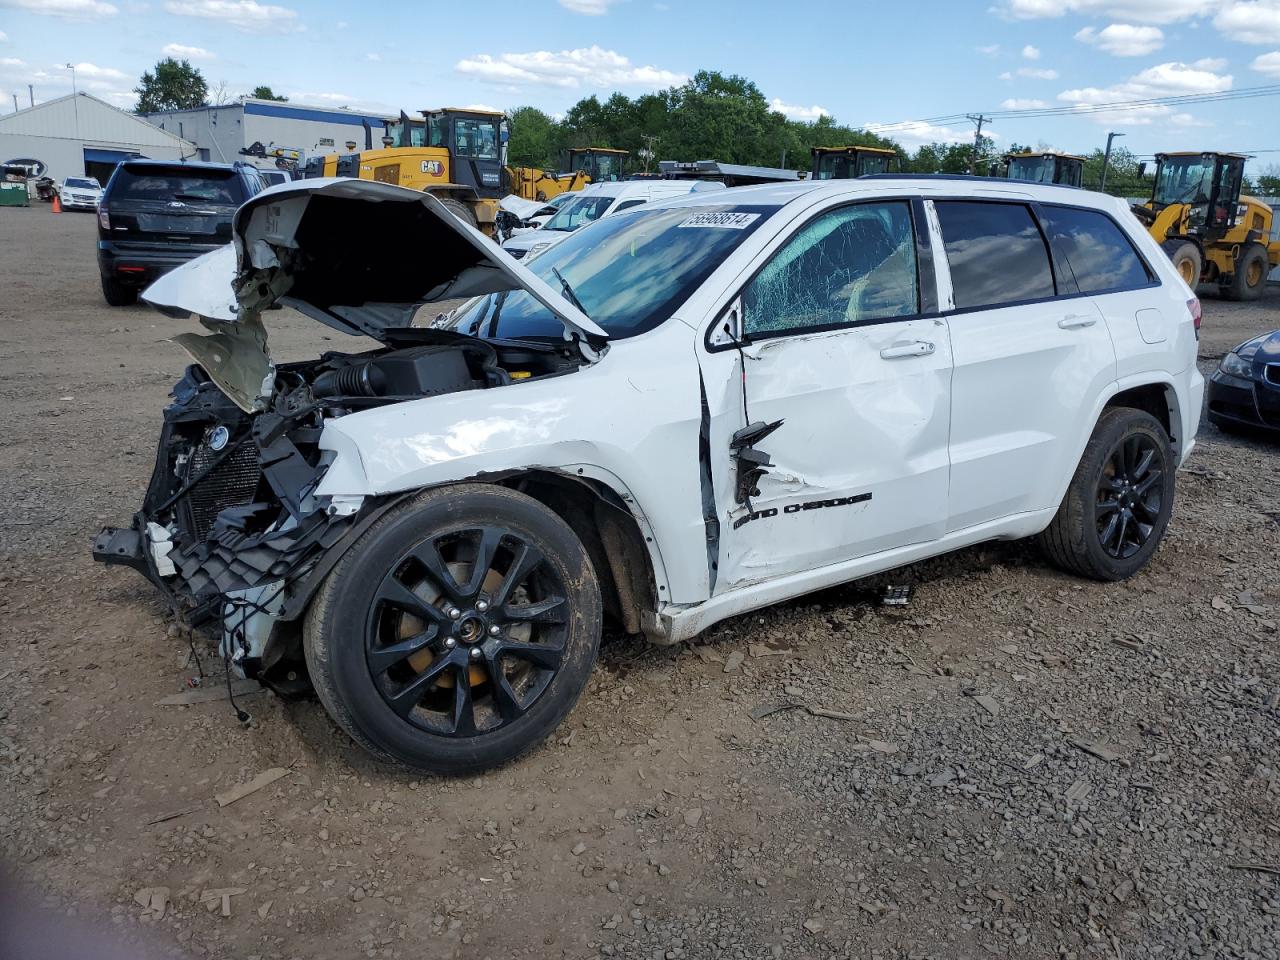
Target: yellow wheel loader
{"points": [[845, 163], [1046, 166], [1210, 232], [586, 165], [455, 154]]}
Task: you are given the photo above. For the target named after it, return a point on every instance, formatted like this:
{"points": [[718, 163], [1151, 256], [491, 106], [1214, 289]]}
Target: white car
{"points": [[595, 201], [675, 416], [80, 193]]}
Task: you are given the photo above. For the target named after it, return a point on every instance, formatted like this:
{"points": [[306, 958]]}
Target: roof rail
{"points": [[960, 176]]}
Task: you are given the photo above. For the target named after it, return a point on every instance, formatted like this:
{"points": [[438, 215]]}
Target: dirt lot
{"points": [[1017, 764]]}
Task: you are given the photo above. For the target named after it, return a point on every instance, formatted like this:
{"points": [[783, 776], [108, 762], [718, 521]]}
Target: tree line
{"points": [[713, 116]]}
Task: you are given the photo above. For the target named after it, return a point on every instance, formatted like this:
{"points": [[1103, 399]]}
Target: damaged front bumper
{"points": [[229, 530]]}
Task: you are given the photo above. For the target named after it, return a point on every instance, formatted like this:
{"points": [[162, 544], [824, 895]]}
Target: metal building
{"points": [[79, 135], [223, 134]]}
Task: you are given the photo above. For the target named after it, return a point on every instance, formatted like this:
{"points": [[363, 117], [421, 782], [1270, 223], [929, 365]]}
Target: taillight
{"points": [[104, 221], [1193, 305]]}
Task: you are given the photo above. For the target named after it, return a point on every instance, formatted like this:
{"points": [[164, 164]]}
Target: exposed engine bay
{"points": [[230, 528]]}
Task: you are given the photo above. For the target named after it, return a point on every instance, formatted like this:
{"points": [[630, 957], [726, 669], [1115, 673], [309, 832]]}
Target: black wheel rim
{"points": [[467, 631], [1130, 496]]}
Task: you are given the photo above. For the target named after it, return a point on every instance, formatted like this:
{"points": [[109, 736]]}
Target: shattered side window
{"points": [[852, 265]]}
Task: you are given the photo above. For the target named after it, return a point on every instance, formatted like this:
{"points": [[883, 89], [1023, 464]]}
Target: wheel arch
{"points": [[604, 516], [1152, 393]]}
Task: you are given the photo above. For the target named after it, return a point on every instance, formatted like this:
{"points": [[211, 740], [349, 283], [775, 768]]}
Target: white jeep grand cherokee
{"points": [[679, 414]]}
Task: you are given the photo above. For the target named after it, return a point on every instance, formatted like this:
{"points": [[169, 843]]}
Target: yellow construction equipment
{"points": [[454, 154], [845, 163], [1045, 166], [459, 155], [1210, 231]]}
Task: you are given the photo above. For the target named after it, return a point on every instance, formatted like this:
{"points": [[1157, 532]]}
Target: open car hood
{"points": [[358, 255]]}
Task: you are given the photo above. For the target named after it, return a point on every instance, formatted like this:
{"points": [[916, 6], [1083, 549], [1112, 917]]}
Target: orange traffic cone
{"points": [[57, 204]]}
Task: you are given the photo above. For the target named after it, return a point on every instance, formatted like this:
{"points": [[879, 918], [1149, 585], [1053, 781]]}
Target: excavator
{"points": [[1046, 166], [1211, 232], [845, 163]]}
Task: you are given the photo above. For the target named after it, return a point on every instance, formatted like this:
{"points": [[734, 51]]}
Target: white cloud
{"points": [[1268, 64], [1250, 21], [64, 9], [590, 8], [990, 50], [481, 106], [246, 15], [590, 67], [12, 62], [1020, 103], [1139, 11], [374, 57], [1163, 80], [793, 112], [94, 72], [1031, 73], [183, 52], [1123, 39], [4, 37], [1030, 53]]}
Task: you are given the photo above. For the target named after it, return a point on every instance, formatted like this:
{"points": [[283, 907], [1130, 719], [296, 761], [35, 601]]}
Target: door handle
{"points": [[1074, 321], [913, 348]]}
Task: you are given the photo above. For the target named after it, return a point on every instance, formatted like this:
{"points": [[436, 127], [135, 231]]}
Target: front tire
{"points": [[1187, 261], [460, 210], [1118, 506], [458, 632]]}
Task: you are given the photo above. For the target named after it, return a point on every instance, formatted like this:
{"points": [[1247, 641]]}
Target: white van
{"points": [[599, 200]]}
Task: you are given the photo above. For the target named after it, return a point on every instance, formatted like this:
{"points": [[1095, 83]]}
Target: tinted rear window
{"points": [[996, 252], [1100, 256], [177, 183]]}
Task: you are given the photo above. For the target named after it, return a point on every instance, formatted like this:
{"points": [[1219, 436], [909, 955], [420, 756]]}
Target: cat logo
{"points": [[433, 168]]}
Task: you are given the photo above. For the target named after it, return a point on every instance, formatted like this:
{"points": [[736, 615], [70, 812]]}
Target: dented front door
{"points": [[841, 349]]}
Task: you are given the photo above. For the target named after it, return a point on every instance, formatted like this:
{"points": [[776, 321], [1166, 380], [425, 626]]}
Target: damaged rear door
{"points": [[835, 399]]}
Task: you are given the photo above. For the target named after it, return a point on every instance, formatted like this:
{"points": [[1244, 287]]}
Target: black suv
{"points": [[156, 215]]}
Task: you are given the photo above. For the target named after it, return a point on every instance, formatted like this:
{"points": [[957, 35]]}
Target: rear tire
{"points": [[1118, 506], [1187, 261], [1250, 278], [461, 210], [405, 638], [117, 294]]}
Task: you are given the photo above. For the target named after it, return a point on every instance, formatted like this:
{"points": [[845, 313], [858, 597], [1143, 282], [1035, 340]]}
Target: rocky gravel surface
{"points": [[1017, 763]]}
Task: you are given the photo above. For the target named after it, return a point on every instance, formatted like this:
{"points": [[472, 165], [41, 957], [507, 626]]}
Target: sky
{"points": [[858, 61]]}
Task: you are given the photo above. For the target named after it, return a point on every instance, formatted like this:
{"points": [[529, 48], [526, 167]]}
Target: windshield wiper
{"points": [[568, 292]]}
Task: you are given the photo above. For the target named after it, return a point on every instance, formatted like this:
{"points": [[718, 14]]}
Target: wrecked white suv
{"points": [[680, 413]]}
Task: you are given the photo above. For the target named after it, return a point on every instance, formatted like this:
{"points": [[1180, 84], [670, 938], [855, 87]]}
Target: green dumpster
{"points": [[13, 194]]}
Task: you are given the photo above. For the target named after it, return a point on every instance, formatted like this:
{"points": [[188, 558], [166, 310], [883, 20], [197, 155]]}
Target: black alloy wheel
{"points": [[1130, 496], [458, 631], [466, 632], [1118, 504]]}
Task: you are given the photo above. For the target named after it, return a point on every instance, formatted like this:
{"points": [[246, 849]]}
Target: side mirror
{"points": [[730, 328], [1142, 169]]}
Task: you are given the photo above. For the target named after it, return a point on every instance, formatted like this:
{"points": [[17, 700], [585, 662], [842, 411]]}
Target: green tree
{"points": [[1269, 180], [175, 85], [266, 93], [533, 138]]}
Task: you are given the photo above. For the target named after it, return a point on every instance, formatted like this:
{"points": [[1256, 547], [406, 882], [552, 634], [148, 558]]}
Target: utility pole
{"points": [[977, 140], [1106, 160], [649, 143], [75, 97], [15, 103]]}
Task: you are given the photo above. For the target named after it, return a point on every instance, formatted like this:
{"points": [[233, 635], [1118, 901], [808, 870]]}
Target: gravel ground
{"points": [[1016, 764]]}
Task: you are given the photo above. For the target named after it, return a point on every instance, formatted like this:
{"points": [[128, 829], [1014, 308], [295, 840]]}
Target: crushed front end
{"points": [[230, 530]]}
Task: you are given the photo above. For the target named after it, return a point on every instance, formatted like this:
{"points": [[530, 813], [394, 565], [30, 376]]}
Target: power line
{"points": [[1244, 93]]}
